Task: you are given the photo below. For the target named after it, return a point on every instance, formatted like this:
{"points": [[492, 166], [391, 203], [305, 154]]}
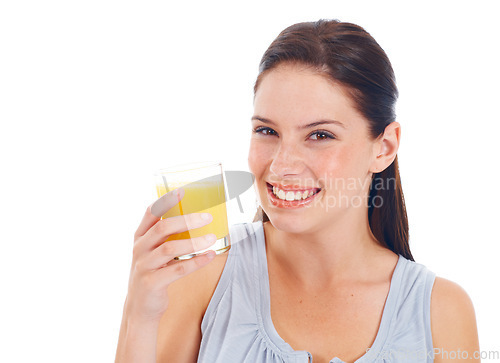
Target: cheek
{"points": [[333, 163], [346, 175], [259, 156], [337, 166]]}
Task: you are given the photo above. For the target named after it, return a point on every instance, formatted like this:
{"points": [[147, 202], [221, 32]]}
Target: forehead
{"points": [[298, 94]]}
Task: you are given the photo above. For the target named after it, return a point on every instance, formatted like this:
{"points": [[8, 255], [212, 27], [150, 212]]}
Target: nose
{"points": [[287, 161]]}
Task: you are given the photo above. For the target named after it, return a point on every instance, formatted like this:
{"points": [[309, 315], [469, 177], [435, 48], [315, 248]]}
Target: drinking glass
{"points": [[204, 192]]}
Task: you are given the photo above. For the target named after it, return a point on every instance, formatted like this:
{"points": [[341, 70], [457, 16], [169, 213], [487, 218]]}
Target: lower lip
{"points": [[288, 204]]}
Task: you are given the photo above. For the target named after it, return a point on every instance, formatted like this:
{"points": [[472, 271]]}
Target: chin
{"points": [[286, 222]]}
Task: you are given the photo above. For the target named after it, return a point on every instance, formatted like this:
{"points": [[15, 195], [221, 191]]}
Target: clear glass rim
{"points": [[187, 167]]}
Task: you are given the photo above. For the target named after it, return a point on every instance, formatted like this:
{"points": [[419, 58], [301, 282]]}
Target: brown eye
{"points": [[322, 135], [264, 131]]}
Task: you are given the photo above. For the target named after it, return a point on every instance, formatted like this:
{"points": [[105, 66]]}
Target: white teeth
{"points": [[290, 196]]}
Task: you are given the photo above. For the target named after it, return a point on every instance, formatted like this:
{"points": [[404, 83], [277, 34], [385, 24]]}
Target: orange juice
{"points": [[203, 185], [201, 197]]}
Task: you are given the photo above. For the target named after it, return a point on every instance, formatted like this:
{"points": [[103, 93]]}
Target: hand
{"points": [[153, 264]]}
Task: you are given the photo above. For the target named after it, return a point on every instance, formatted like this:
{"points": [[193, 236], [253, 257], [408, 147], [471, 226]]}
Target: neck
{"points": [[343, 251]]}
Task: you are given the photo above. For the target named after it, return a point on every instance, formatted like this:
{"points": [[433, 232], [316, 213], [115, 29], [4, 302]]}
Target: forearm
{"points": [[137, 341]]}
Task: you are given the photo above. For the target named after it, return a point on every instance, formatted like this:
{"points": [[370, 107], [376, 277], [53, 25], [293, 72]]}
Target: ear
{"points": [[386, 147]]}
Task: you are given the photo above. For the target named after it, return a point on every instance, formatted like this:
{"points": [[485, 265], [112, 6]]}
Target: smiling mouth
{"points": [[290, 197]]}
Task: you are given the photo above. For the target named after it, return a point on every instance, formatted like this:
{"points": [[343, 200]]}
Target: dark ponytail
{"points": [[346, 53]]}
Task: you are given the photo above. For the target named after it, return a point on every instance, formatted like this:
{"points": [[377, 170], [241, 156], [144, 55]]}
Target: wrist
{"points": [[134, 316], [137, 342], [137, 322]]}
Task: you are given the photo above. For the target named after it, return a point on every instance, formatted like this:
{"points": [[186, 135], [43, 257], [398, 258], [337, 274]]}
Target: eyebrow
{"points": [[312, 124]]}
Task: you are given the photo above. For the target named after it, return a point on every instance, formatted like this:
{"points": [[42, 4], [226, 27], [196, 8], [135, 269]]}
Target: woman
{"points": [[325, 274]]}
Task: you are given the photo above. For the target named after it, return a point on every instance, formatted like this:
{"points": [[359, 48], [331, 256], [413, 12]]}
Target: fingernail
{"points": [[206, 216], [179, 192], [158, 208]]}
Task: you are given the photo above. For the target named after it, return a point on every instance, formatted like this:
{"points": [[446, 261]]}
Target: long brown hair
{"points": [[347, 54]]}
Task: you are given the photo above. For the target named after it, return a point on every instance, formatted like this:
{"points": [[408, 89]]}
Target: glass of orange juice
{"points": [[204, 192]]}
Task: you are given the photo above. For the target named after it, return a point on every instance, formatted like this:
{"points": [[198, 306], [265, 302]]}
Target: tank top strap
{"points": [[409, 336], [240, 268]]}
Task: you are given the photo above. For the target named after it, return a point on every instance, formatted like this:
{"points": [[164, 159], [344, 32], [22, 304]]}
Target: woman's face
{"points": [[308, 139]]}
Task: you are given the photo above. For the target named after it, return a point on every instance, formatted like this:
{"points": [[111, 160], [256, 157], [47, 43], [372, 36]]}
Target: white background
{"points": [[95, 95]]}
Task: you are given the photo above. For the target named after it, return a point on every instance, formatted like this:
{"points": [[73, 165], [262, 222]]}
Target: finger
{"points": [[171, 273], [157, 209], [164, 228], [167, 201], [167, 251]]}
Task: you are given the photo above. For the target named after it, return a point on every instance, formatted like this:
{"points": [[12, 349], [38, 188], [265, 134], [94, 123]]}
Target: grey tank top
{"points": [[237, 325]]}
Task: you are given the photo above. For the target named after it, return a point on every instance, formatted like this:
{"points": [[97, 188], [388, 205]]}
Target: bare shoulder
{"points": [[179, 334], [453, 322], [200, 284]]}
